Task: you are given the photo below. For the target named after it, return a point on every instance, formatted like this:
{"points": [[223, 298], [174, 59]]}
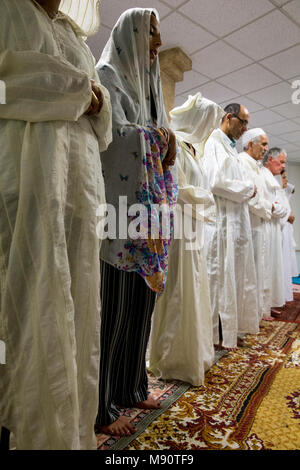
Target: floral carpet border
{"points": [[220, 415], [170, 392]]}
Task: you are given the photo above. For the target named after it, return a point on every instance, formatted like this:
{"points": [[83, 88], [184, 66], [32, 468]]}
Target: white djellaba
{"points": [[181, 342], [290, 189], [274, 252], [230, 256], [288, 244], [51, 185], [260, 215]]}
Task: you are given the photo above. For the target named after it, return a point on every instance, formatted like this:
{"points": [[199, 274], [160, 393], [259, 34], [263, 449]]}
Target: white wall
{"points": [[293, 170]]}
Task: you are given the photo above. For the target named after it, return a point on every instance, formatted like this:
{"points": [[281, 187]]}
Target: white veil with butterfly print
{"points": [[132, 164]]}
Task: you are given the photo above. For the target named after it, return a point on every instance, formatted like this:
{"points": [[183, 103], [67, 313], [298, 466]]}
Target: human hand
{"points": [[255, 191], [96, 101], [170, 157], [291, 218], [97, 90]]}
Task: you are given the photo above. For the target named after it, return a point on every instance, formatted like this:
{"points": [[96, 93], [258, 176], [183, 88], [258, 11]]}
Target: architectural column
{"points": [[173, 63]]}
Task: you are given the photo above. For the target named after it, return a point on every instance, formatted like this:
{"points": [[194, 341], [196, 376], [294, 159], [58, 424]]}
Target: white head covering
{"points": [[83, 13], [195, 120], [127, 54], [250, 135]]}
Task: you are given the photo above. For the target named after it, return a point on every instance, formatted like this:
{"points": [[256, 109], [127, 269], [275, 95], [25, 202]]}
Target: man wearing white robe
{"points": [[51, 184], [274, 162], [288, 242], [255, 143], [230, 254]]}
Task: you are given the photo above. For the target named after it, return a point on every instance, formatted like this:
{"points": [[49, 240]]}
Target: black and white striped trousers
{"points": [[127, 306]]}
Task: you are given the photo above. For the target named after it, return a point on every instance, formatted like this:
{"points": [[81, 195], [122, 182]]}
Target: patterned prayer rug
{"points": [[250, 400], [166, 392]]}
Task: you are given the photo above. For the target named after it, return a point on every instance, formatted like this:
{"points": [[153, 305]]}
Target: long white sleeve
{"points": [[41, 87], [200, 198], [224, 177], [279, 211], [260, 207], [234, 190]]}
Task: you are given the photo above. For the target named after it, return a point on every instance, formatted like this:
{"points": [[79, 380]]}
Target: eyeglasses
{"points": [[243, 121]]}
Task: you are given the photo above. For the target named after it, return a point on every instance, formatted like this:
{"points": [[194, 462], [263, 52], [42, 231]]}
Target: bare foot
{"points": [[120, 427], [276, 313], [268, 318], [150, 404], [240, 343], [229, 349]]}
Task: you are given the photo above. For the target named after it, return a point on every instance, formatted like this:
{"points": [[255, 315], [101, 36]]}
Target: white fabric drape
{"points": [[195, 120], [229, 248], [50, 186], [84, 13]]}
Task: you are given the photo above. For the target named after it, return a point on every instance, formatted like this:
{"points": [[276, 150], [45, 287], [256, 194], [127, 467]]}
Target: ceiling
{"points": [[245, 51]]}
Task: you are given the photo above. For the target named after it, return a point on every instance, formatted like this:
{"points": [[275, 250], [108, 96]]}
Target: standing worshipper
{"points": [[288, 243], [135, 167], [290, 190], [255, 143], [181, 342], [273, 164], [230, 254], [52, 127]]}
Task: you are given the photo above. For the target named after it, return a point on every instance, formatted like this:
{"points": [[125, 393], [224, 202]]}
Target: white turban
{"points": [[250, 135], [83, 13], [195, 120]]}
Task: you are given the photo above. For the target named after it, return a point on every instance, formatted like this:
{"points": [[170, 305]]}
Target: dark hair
{"points": [[232, 108]]}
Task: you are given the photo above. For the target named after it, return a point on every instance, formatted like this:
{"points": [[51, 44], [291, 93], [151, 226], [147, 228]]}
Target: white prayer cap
{"points": [[195, 120], [250, 135], [83, 13]]}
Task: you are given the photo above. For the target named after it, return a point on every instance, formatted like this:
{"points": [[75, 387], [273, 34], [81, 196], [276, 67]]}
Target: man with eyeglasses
{"points": [[229, 246]]}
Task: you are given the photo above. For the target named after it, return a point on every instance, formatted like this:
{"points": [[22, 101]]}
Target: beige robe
{"points": [[50, 187]]}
